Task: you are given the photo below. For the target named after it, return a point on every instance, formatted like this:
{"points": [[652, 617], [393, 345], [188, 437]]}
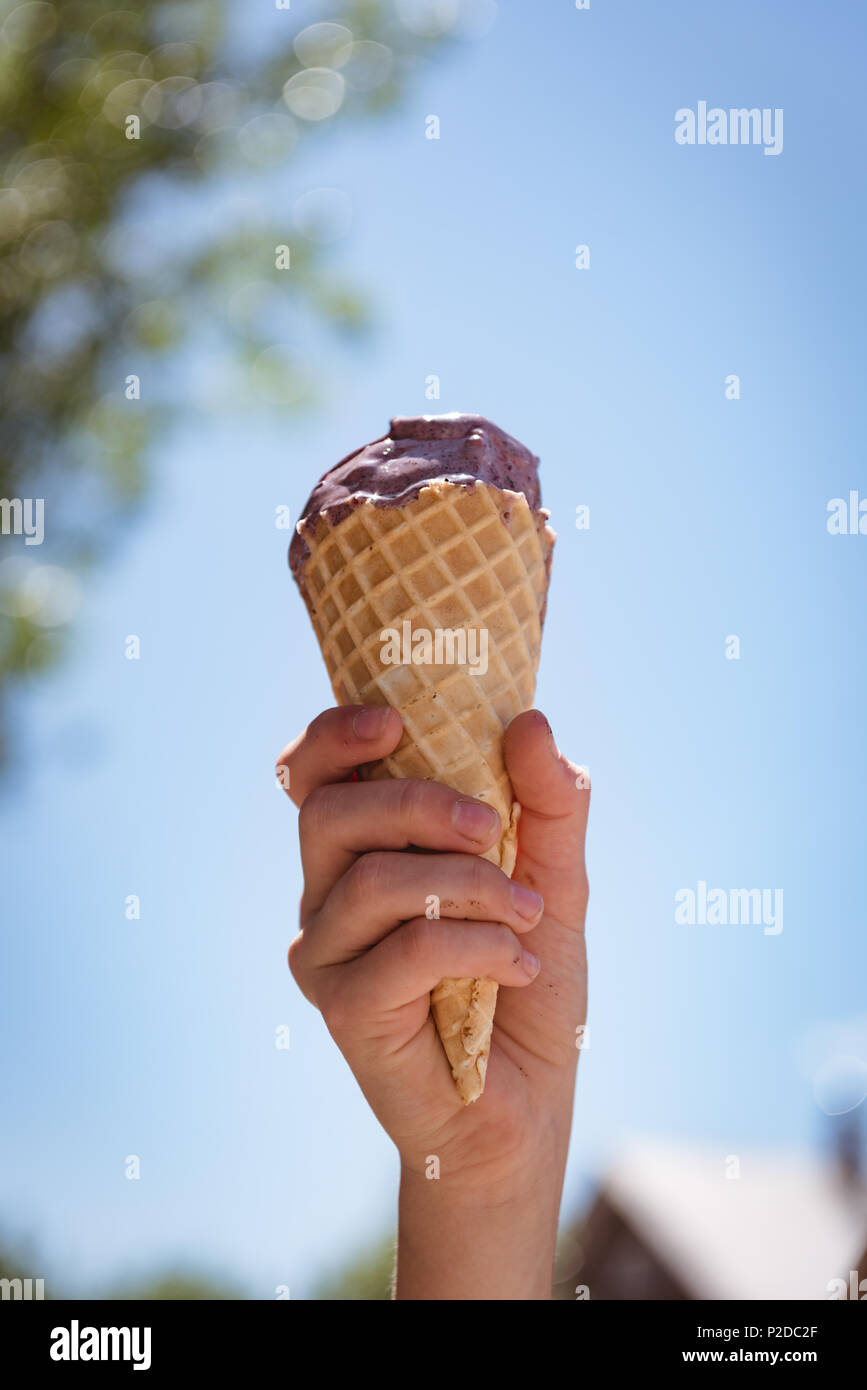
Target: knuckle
{"points": [[482, 881], [297, 957], [506, 942], [337, 1008], [311, 980], [413, 798], [474, 874], [367, 877], [323, 724], [315, 811], [418, 939], [294, 956]]}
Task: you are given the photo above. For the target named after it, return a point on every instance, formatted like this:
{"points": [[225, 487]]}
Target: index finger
{"points": [[334, 744]]}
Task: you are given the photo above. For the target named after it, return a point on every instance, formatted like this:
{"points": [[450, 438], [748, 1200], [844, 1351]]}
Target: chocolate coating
{"points": [[391, 471]]}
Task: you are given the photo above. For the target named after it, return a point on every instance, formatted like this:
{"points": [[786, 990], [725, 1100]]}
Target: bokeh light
{"points": [[154, 325], [172, 103], [429, 18], [324, 45], [460, 19], [369, 65], [268, 139], [127, 98], [315, 93], [28, 25], [48, 251], [841, 1085], [220, 106], [833, 1058], [247, 301], [48, 595]]}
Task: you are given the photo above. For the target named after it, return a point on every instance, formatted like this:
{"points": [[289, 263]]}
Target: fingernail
{"points": [[475, 820], [370, 723], [532, 964], [526, 902]]}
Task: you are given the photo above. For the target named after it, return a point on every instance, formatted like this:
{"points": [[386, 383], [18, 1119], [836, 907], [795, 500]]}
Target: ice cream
{"points": [[435, 530], [417, 451]]}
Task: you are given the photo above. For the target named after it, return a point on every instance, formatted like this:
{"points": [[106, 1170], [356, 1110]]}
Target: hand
{"points": [[367, 956]]}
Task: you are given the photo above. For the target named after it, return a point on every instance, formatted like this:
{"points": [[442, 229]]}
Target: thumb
{"points": [[554, 795]]}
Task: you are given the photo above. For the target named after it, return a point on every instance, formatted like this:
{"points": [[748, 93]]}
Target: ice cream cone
{"points": [[454, 558]]}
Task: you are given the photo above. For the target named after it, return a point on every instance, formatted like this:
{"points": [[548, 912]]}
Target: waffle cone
{"points": [[453, 558]]}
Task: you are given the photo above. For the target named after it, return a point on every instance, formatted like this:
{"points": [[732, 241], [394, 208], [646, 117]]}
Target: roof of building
{"points": [[783, 1228]]}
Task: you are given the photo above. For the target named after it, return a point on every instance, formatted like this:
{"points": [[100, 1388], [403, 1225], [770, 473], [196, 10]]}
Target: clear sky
{"points": [[707, 520]]}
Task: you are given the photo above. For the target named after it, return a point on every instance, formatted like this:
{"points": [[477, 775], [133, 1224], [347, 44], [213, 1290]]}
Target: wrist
{"points": [[485, 1230], [485, 1170], [471, 1242]]}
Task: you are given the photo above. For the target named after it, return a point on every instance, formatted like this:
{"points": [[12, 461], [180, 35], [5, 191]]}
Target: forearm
{"points": [[460, 1239]]}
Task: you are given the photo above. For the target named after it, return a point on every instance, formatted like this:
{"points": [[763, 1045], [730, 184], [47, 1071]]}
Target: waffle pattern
{"points": [[453, 558]]}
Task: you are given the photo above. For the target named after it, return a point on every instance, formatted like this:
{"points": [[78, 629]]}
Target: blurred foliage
{"points": [[91, 292], [18, 1260], [367, 1277], [176, 1285], [21, 1260]]}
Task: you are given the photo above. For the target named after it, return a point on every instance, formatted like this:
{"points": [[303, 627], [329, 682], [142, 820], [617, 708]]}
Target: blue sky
{"points": [[154, 777]]}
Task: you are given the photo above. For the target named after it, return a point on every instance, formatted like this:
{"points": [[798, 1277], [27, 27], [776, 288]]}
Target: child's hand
{"points": [[368, 956]]}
